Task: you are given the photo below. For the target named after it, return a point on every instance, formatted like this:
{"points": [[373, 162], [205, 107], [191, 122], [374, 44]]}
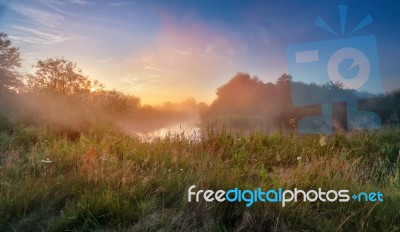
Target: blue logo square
{"points": [[334, 71]]}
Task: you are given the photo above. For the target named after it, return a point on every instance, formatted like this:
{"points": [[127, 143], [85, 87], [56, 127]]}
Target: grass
{"points": [[106, 181]]}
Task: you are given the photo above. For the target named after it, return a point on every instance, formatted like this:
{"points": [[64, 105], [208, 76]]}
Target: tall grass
{"points": [[105, 180]]}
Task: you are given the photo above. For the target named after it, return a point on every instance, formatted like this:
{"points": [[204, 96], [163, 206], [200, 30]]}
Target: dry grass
{"points": [[105, 180]]}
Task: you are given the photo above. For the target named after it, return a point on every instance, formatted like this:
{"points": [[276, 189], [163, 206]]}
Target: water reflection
{"points": [[186, 130]]}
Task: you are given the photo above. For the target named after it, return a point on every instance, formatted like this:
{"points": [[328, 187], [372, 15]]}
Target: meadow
{"points": [[105, 180], [74, 155]]}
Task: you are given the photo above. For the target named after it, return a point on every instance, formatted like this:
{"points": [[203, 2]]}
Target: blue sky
{"points": [[170, 50]]}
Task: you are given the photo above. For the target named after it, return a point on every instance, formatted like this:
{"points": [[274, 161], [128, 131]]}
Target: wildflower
{"points": [[169, 170], [298, 158], [181, 169], [47, 160], [89, 159], [292, 123], [322, 141]]}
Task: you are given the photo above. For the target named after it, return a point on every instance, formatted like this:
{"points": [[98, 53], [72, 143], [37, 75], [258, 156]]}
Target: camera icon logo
{"points": [[350, 64], [359, 58]]}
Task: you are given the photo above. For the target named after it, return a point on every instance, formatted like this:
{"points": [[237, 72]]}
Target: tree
{"points": [[115, 102], [9, 60], [58, 76], [244, 94], [284, 80]]}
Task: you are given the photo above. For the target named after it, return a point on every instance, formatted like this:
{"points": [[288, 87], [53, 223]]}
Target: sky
{"points": [[171, 50]]}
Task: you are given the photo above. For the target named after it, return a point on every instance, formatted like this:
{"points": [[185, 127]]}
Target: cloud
{"points": [[31, 35], [54, 5], [38, 25], [128, 80], [105, 60], [81, 2], [39, 16], [147, 58], [115, 4], [185, 53], [140, 81]]}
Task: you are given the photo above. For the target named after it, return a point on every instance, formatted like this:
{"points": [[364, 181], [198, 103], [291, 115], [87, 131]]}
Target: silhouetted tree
{"points": [[245, 101], [115, 102], [248, 102], [244, 95], [58, 76], [284, 80], [9, 60]]}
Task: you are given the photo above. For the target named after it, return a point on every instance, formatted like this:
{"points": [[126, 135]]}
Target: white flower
{"points": [[298, 158], [47, 160]]}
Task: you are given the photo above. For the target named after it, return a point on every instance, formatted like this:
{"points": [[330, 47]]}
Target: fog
{"points": [[73, 116], [242, 105], [246, 103]]}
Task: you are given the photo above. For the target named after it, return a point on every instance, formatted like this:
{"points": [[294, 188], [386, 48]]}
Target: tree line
{"points": [[247, 102], [59, 94]]}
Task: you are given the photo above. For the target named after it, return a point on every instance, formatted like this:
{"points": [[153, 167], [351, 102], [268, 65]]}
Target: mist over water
{"points": [[189, 128]]}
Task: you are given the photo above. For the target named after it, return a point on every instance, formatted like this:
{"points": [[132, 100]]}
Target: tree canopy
{"points": [[9, 60], [59, 76]]}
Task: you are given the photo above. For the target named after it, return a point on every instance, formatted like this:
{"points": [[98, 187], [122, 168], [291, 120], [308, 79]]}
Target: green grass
{"points": [[106, 181]]}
